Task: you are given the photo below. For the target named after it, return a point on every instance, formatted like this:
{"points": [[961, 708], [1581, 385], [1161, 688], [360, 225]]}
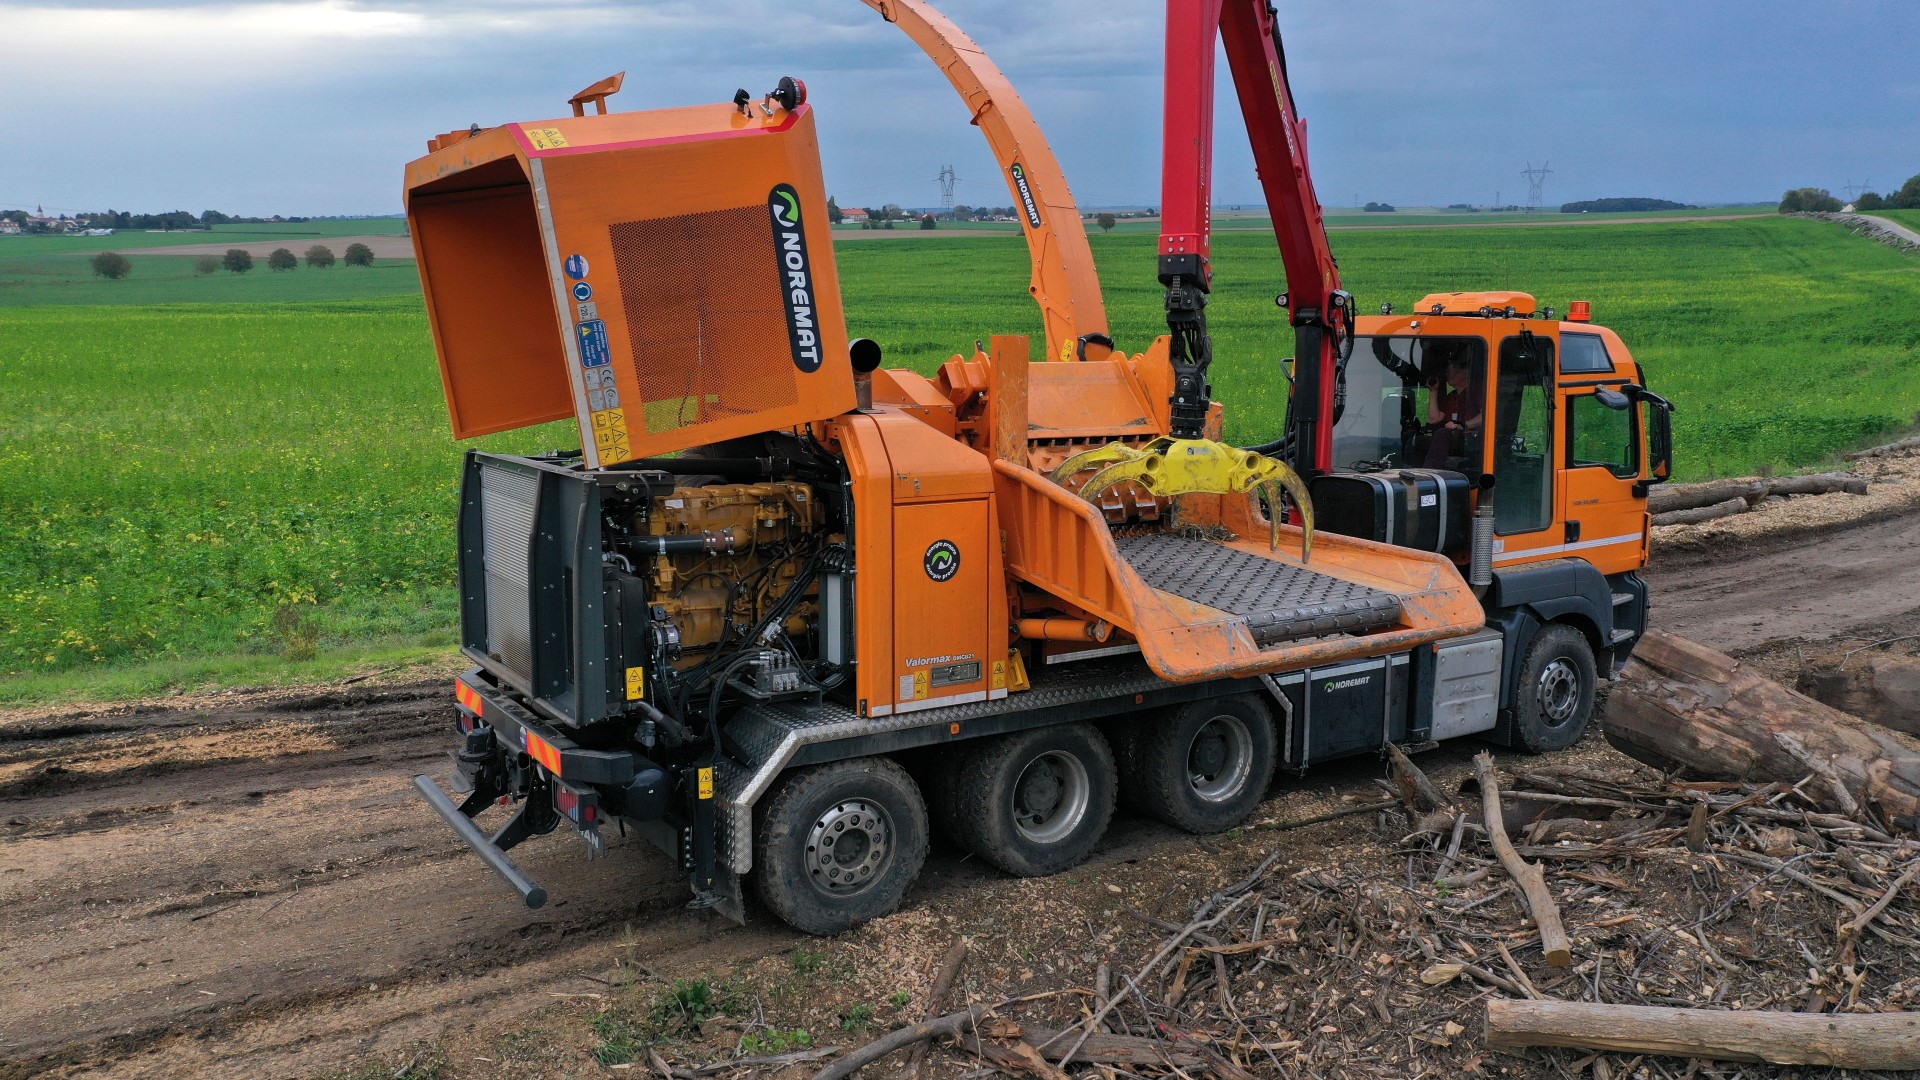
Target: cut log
{"points": [[1817, 484], [1841, 1040], [1887, 450], [1681, 704], [1698, 514], [1667, 498], [1883, 689], [1717, 498]]}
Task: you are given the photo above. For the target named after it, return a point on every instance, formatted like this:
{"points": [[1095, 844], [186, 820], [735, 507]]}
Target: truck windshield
{"points": [[1386, 419]]}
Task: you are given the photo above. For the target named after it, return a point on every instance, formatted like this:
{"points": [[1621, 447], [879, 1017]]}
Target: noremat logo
{"points": [[1347, 684], [1027, 202], [796, 276]]}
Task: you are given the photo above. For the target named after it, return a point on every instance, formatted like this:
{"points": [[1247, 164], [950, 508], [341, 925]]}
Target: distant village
{"points": [[106, 222]]}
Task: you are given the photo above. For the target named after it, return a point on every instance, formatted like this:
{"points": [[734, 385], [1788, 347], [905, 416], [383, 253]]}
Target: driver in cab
{"points": [[1454, 408]]}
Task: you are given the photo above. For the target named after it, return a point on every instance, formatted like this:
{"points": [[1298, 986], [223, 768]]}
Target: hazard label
{"points": [[610, 435], [593, 343], [546, 138]]}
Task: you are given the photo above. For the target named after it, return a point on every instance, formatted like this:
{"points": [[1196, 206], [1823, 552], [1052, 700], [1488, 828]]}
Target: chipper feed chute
{"points": [[1180, 557]]}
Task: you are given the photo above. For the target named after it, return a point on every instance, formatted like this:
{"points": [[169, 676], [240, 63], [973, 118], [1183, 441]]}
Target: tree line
{"points": [[113, 266], [1820, 200]]}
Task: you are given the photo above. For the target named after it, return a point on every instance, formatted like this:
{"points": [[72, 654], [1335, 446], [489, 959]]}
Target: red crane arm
{"points": [[1321, 312]]}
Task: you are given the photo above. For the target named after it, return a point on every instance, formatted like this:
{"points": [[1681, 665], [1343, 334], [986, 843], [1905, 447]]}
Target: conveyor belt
{"points": [[1280, 601]]}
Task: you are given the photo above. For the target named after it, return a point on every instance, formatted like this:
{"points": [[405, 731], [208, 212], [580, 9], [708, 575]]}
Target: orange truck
{"points": [[786, 611]]}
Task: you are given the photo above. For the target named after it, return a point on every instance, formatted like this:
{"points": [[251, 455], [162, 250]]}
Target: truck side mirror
{"points": [[1658, 412]]}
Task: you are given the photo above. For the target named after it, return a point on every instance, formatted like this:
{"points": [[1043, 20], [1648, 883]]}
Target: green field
{"points": [[234, 480], [1909, 218], [37, 270]]}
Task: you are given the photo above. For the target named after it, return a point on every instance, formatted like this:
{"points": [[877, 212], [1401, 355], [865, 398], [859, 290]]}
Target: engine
{"points": [[752, 542], [721, 587]]}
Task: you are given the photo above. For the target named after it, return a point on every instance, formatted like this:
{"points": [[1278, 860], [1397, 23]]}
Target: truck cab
{"points": [[1481, 417]]}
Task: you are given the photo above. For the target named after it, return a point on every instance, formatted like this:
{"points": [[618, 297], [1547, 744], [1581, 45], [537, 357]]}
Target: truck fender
{"points": [[1525, 598]]}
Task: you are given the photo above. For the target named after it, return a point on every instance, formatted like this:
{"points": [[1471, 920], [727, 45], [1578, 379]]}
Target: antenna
{"points": [[946, 179], [1536, 182]]}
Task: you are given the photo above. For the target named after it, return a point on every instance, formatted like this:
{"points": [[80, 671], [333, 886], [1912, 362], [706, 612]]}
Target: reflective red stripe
{"points": [[543, 752], [469, 697]]}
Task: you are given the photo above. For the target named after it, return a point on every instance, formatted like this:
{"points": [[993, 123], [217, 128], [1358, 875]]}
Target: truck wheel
{"points": [[1554, 701], [1035, 802], [837, 844], [1203, 766]]}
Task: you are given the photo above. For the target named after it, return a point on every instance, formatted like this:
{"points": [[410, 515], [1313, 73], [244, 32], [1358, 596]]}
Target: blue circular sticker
{"points": [[576, 266], [582, 292]]}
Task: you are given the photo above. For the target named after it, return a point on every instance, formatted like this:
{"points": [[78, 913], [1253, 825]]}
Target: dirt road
{"points": [[1734, 598], [249, 887]]}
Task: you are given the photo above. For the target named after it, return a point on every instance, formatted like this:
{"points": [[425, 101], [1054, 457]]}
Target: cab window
{"points": [[1523, 436], [1583, 354], [1411, 402], [1601, 437]]}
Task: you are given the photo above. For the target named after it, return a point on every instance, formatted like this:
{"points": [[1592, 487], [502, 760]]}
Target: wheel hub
{"points": [[1220, 759], [1558, 691], [846, 847], [1051, 797]]}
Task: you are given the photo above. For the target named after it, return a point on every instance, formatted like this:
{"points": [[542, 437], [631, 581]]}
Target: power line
{"points": [[946, 180], [1536, 184]]}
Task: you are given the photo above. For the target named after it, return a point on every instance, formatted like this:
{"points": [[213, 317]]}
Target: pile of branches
{"points": [[1625, 887]]}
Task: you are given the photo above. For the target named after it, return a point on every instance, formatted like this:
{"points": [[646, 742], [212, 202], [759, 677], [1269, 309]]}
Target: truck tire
{"points": [[837, 844], [1553, 703], [1035, 802], [1203, 766]]}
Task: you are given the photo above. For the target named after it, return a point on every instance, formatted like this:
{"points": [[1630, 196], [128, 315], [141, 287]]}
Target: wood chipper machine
{"points": [[785, 610]]}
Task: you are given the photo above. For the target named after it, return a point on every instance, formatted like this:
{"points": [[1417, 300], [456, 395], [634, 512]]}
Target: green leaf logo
{"points": [[792, 216]]}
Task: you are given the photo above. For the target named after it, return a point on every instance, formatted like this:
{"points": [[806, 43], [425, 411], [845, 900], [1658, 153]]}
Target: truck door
{"points": [[1601, 443], [1522, 451]]}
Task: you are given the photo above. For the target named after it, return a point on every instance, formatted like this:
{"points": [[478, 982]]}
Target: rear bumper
{"points": [[518, 729], [464, 828]]}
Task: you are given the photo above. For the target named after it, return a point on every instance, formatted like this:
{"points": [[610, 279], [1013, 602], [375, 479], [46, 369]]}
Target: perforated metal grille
{"points": [[506, 515], [1281, 601], [706, 316]]}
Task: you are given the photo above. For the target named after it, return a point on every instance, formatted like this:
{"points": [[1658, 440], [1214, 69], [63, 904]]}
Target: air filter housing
{"points": [[666, 278]]}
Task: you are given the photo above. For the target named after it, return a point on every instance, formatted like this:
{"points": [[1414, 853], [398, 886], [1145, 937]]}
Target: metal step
{"points": [[1620, 598], [1619, 637]]}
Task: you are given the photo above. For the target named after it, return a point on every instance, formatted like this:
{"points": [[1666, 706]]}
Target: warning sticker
{"points": [[636, 683], [593, 343], [546, 138], [999, 675], [610, 435], [920, 685]]}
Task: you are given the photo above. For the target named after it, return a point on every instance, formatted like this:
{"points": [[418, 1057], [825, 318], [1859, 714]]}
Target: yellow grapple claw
{"points": [[1168, 467]]}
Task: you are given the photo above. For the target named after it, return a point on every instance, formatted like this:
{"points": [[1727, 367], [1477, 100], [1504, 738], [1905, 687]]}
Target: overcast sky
{"points": [[313, 106]]}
